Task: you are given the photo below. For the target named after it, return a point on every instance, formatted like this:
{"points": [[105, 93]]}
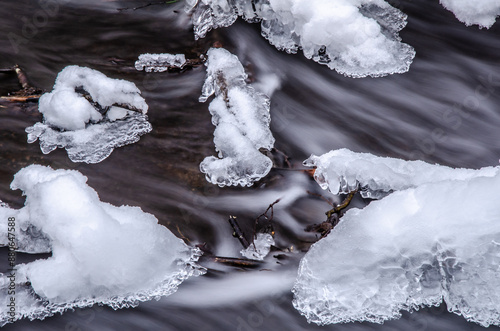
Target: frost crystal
{"points": [[260, 247], [159, 62], [241, 116], [85, 114], [438, 238], [482, 13], [117, 256], [355, 38]]}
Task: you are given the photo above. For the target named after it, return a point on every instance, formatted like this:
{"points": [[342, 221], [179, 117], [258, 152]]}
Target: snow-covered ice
{"points": [[241, 116], [260, 247], [159, 62], [436, 238], [357, 38], [482, 13], [89, 114], [342, 170], [117, 256]]}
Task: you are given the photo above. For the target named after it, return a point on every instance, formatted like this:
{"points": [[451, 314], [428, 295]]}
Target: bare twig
{"points": [[237, 232], [27, 93], [16, 98], [235, 262], [333, 216], [286, 158], [149, 4], [343, 204], [264, 215], [21, 76], [321, 197]]}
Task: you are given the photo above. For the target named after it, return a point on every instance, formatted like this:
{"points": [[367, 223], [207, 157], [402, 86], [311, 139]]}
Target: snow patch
{"points": [[435, 239], [85, 114], [118, 256], [241, 116], [482, 13], [355, 38]]}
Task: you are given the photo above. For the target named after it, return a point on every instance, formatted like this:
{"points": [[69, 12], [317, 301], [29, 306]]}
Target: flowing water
{"points": [[444, 110]]}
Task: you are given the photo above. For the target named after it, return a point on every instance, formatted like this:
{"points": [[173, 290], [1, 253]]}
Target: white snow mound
{"points": [[117, 256], [84, 113], [357, 38], [438, 238], [241, 116], [482, 12]]}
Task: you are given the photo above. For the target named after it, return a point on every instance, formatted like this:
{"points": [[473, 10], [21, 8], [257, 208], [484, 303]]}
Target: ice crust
{"points": [[159, 62], [357, 38], [260, 247], [118, 256], [482, 13], [437, 238], [342, 170], [241, 116], [89, 129]]}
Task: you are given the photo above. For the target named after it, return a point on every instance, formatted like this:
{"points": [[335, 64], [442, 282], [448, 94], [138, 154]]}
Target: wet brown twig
{"points": [[332, 216], [235, 262], [337, 209], [27, 92], [269, 219], [237, 232], [148, 5], [321, 197]]}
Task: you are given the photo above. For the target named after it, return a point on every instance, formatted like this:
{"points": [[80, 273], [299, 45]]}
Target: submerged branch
{"points": [[237, 232], [27, 92], [149, 4]]}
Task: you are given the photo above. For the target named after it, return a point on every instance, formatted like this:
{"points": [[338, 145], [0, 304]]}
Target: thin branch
{"points": [[264, 214], [235, 262], [14, 98], [21, 76], [237, 232], [343, 204], [321, 197], [149, 4]]}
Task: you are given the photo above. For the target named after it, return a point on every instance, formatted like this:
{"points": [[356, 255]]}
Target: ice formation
{"points": [[117, 256], [241, 116], [89, 114], [160, 62], [357, 38], [260, 247], [436, 238], [482, 13], [342, 170]]}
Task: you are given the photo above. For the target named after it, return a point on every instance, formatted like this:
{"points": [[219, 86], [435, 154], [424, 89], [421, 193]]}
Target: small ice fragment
{"points": [[260, 247], [241, 116], [116, 113], [73, 115], [159, 62], [118, 256], [482, 13]]}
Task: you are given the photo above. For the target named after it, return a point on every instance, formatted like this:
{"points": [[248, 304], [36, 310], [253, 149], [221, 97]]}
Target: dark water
{"points": [[444, 110]]}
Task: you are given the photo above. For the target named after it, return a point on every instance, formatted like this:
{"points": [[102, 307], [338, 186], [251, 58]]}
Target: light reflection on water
{"points": [[444, 110]]}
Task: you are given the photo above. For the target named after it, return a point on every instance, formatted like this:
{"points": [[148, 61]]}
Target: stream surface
{"points": [[444, 110]]}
